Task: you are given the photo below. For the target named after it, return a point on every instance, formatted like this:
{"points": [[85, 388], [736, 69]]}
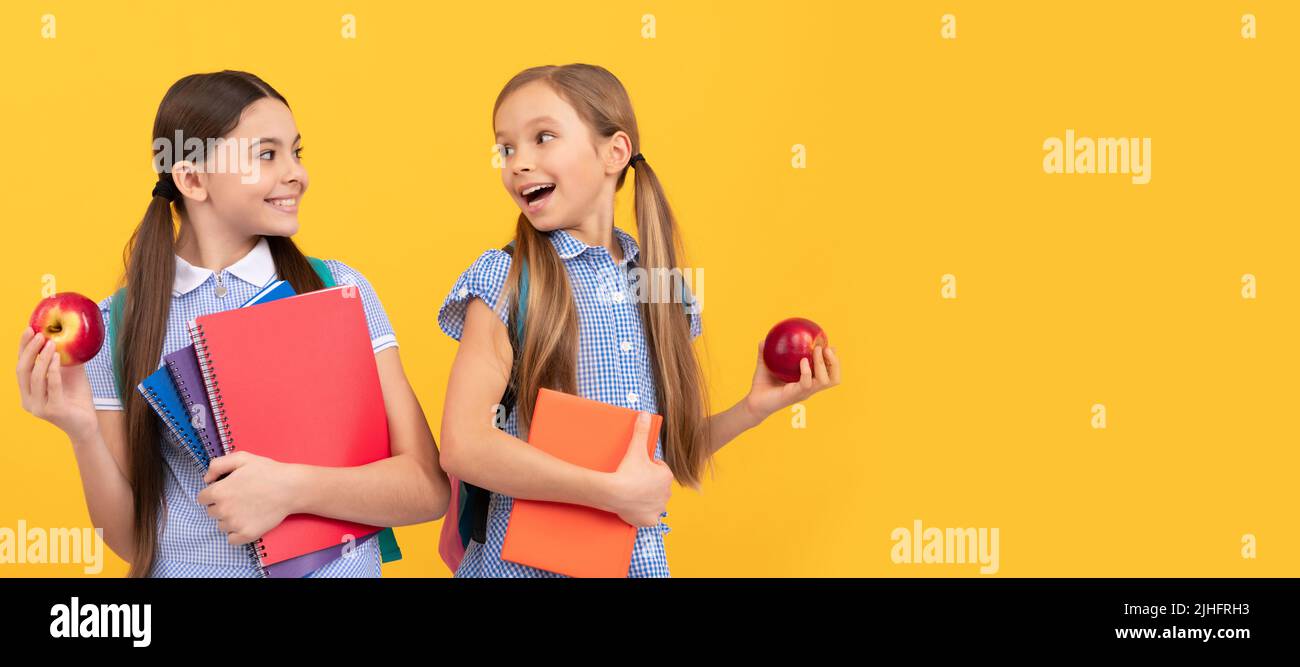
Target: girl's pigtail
{"points": [[151, 268], [681, 389]]}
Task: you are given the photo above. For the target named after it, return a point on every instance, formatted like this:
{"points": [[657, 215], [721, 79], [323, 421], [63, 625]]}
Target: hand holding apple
{"points": [[796, 344]]}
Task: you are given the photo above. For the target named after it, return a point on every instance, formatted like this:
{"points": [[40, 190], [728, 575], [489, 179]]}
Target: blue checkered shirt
{"points": [[613, 367]]}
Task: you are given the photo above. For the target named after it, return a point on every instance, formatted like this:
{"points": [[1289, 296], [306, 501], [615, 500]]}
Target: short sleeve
{"points": [[381, 331], [99, 370], [485, 279]]}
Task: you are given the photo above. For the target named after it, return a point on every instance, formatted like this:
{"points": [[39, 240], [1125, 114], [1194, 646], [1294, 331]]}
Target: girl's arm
{"points": [[62, 397], [769, 394], [407, 487], [477, 452]]}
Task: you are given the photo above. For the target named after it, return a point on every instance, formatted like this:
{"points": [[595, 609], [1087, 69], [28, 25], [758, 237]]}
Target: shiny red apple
{"points": [[73, 322], [788, 342]]}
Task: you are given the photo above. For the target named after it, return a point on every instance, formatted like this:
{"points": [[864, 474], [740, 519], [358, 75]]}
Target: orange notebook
{"points": [[569, 539], [295, 380]]}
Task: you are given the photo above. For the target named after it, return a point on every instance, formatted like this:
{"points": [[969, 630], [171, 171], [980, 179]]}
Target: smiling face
{"points": [[266, 201], [552, 166]]}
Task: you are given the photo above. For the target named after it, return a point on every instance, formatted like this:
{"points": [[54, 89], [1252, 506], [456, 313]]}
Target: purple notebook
{"points": [[183, 366], [301, 566]]}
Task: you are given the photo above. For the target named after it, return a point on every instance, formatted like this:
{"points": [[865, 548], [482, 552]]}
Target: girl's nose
{"points": [[296, 174]]}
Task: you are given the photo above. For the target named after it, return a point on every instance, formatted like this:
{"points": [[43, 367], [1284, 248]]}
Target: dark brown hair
{"points": [[203, 106]]}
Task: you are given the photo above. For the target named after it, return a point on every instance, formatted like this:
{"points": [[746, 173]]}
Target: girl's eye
{"points": [[507, 151], [297, 153], [544, 137], [267, 154]]}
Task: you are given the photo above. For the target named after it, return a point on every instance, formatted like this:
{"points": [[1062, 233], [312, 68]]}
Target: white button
{"points": [[631, 398], [625, 346], [464, 292], [618, 297]]}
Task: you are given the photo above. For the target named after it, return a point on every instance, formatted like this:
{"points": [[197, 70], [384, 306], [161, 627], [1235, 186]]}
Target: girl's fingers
{"points": [[805, 374], [25, 339], [819, 366], [833, 365], [25, 359], [54, 379], [40, 370]]}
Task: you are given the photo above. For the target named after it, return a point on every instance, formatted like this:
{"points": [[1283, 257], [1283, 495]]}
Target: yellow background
{"points": [[924, 158]]}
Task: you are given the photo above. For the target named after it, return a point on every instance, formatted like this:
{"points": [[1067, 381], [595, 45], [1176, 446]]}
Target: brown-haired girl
{"points": [[568, 137], [237, 208]]}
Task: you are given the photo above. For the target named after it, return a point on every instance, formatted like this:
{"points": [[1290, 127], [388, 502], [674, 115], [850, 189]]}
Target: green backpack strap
{"points": [[387, 540], [115, 307], [322, 270]]}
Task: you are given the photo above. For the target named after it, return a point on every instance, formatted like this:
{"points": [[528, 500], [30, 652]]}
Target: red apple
{"points": [[788, 342], [73, 322]]}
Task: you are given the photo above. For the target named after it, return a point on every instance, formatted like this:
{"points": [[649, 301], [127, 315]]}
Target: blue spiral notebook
{"points": [[161, 394]]}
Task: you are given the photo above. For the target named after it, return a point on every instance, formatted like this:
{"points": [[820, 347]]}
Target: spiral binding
{"points": [[256, 548], [169, 419], [179, 380], [214, 391]]}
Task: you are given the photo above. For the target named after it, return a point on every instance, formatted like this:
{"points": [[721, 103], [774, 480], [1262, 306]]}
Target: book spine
{"points": [[257, 548]]}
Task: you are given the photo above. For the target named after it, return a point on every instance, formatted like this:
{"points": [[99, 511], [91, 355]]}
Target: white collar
{"points": [[257, 268]]}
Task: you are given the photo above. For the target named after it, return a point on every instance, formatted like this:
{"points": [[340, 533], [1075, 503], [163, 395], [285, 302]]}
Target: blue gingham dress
{"points": [[613, 367], [189, 542]]}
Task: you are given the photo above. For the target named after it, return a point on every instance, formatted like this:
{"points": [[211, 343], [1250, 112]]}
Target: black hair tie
{"points": [[635, 158], [166, 187]]}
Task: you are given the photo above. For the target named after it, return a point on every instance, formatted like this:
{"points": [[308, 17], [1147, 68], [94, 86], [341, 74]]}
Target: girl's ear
{"points": [[615, 153], [189, 181]]}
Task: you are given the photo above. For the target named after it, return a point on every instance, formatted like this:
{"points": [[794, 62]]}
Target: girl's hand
{"points": [[769, 393], [51, 392], [642, 485], [253, 496]]}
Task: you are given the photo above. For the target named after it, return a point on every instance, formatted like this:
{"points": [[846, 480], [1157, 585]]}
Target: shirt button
{"points": [[618, 297], [632, 397], [625, 346], [464, 292]]}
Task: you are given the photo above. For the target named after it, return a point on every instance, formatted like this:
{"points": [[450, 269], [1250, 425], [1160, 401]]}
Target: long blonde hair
{"points": [[548, 354]]}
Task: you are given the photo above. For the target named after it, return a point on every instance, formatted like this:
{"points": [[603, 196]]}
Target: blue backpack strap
{"points": [[521, 308], [387, 540]]}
